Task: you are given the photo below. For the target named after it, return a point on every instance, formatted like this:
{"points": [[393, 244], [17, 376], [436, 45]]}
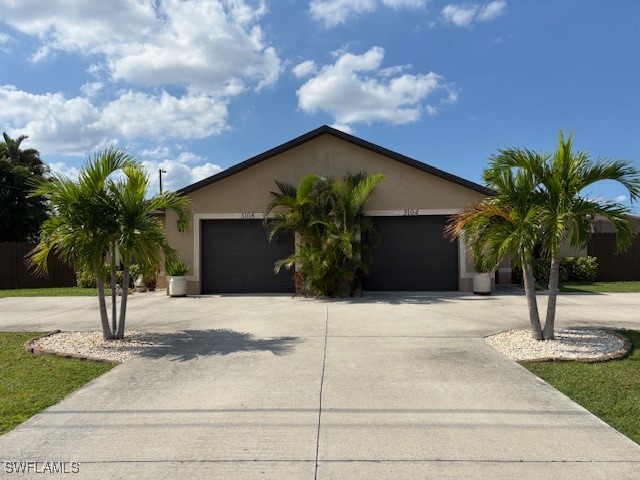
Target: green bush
{"points": [[87, 279], [572, 269], [581, 269]]}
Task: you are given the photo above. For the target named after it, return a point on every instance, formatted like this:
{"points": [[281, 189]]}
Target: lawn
{"points": [[600, 287], [52, 292], [609, 390], [32, 383]]}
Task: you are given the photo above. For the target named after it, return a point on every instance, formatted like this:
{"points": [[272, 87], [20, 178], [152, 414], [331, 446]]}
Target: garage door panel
{"points": [[237, 257], [413, 254]]}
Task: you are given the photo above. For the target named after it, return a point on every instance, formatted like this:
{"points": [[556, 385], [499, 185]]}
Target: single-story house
{"points": [[229, 252]]}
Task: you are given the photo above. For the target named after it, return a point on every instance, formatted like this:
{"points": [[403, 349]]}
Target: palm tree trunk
{"points": [[123, 303], [114, 308], [554, 279], [107, 334], [530, 292]]}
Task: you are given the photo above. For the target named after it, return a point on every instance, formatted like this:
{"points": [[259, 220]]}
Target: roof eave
{"points": [[325, 129]]}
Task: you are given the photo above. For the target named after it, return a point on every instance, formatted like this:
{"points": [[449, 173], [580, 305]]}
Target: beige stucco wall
{"points": [[567, 251], [404, 187]]}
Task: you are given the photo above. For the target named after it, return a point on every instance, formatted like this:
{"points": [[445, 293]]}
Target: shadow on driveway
{"points": [[191, 344]]}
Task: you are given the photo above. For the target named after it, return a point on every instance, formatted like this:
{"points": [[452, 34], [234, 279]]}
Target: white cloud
{"points": [[304, 69], [460, 15], [405, 3], [61, 168], [465, 14], [203, 45], [57, 124], [140, 115], [53, 122], [342, 127], [91, 89], [335, 12], [352, 92], [621, 198], [389, 71], [178, 173], [492, 10]]}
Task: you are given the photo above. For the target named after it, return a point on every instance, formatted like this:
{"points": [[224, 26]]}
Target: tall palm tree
{"points": [[327, 216], [20, 214], [566, 213], [99, 215], [28, 157]]}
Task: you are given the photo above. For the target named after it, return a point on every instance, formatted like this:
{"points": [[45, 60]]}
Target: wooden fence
{"points": [[14, 272], [611, 267]]}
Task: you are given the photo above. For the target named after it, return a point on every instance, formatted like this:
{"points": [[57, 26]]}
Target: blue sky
{"points": [[195, 86]]}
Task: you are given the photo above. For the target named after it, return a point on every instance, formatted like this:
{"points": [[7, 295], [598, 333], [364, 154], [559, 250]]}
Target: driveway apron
{"points": [[279, 388]]}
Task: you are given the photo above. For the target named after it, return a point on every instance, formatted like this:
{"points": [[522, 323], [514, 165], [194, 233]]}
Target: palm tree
{"points": [[327, 216], [20, 214], [542, 198], [506, 223], [100, 215], [29, 157], [566, 213]]}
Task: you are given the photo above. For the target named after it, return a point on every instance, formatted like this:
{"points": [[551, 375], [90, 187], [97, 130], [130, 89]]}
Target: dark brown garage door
{"points": [[237, 257], [413, 255]]}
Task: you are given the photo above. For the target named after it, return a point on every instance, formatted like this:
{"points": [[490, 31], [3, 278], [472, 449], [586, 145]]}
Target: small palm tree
{"points": [[100, 215], [327, 216]]}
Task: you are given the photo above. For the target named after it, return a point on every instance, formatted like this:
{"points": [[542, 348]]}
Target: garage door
{"points": [[237, 257], [413, 255]]}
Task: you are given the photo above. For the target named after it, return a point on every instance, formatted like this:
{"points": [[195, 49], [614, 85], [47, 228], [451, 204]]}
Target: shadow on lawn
{"points": [[191, 344]]}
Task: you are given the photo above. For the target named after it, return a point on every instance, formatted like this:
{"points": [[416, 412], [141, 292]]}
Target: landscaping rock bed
{"points": [[580, 344], [91, 345]]}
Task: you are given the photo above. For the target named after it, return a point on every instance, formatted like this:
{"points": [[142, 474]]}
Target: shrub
{"points": [[582, 269], [572, 269], [87, 279]]}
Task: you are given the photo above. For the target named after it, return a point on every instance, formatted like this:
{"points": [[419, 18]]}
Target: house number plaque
{"points": [[248, 215], [410, 212]]}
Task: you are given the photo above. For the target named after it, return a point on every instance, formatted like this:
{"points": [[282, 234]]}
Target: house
{"points": [[227, 245]]}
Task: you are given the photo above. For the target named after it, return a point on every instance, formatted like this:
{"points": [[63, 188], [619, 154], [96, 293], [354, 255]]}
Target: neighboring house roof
{"points": [[326, 130], [603, 225]]}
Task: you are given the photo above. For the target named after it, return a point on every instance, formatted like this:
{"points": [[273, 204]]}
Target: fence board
{"points": [[14, 272], [612, 267]]}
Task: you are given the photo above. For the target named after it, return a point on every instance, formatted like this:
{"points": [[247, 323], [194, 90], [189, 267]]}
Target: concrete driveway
{"points": [[398, 386]]}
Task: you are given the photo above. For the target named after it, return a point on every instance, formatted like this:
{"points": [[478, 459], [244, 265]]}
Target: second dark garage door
{"points": [[237, 257], [413, 255]]}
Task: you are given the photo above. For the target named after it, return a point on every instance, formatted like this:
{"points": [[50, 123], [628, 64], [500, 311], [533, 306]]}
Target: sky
{"points": [[196, 86]]}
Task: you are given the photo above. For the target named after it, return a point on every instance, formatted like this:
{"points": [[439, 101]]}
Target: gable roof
{"points": [[327, 130]]}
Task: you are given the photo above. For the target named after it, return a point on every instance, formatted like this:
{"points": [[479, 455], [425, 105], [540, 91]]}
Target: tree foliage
{"points": [[327, 217], [20, 214], [541, 199], [104, 212]]}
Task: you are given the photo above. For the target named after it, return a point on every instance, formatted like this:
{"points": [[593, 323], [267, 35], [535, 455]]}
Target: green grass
{"points": [[32, 383], [600, 287], [609, 390], [52, 292]]}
